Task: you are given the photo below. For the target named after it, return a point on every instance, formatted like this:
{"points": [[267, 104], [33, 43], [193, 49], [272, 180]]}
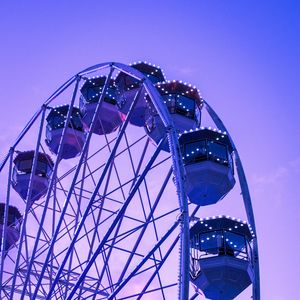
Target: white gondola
{"points": [[221, 257], [74, 134], [109, 117], [207, 158], [128, 88], [184, 104], [12, 231], [22, 173]]}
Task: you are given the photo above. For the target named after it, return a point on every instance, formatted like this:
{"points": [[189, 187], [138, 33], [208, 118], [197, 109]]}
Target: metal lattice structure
{"points": [[105, 215]]}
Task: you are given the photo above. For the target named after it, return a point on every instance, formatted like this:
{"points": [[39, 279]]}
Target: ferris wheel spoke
{"points": [[96, 234], [72, 208], [106, 257], [47, 238], [147, 193], [116, 220], [35, 275], [94, 194], [98, 221], [194, 296], [112, 286], [69, 114], [97, 152], [107, 270], [149, 291], [157, 238], [137, 268], [27, 258], [64, 232], [114, 239], [158, 268], [77, 214], [61, 237], [144, 291], [28, 196], [74, 180], [125, 183], [6, 292], [5, 223], [132, 230], [156, 235], [136, 171], [147, 221], [116, 155]]}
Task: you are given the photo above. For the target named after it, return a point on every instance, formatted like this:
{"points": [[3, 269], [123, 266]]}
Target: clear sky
{"points": [[243, 55]]}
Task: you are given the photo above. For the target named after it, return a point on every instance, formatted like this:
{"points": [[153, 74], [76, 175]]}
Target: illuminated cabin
{"points": [[128, 87], [207, 158], [12, 231], [184, 104], [74, 135], [109, 117], [221, 257], [22, 171]]}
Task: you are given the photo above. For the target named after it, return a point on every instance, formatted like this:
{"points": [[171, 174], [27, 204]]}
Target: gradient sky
{"points": [[243, 55]]}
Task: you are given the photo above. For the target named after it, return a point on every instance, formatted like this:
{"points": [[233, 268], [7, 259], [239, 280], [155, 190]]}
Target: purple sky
{"points": [[242, 55]]}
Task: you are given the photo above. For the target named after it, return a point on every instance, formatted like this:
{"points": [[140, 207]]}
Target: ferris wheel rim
{"points": [[177, 163]]}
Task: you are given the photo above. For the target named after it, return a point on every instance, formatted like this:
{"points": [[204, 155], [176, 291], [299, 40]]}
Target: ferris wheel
{"points": [[104, 193]]}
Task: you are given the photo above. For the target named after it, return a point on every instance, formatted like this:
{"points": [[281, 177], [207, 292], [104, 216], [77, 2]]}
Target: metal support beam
{"points": [[28, 197], [106, 167], [5, 220], [246, 198], [116, 220], [52, 181], [144, 260]]}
